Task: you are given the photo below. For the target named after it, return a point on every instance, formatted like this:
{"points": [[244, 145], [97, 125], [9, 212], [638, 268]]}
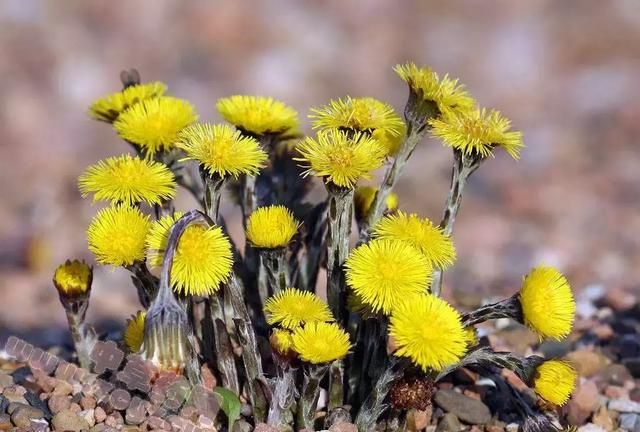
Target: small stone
{"points": [[603, 419], [74, 407], [5, 422], [616, 392], [616, 374], [603, 331], [15, 393], [587, 362], [590, 427], [263, 427], [584, 401], [624, 406], [630, 422], [512, 427], [89, 416], [67, 420], [448, 423], [63, 388], [634, 394], [619, 299], [6, 380], [22, 416], [468, 410], [343, 427], [58, 403], [418, 419], [88, 402]]}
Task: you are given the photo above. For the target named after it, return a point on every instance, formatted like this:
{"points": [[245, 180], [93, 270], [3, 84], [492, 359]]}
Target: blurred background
{"points": [[566, 72]]}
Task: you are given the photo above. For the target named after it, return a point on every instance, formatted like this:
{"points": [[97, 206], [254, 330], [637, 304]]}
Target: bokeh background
{"points": [[566, 72]]}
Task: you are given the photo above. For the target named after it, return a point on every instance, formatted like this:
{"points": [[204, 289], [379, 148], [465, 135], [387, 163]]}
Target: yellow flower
{"points": [[271, 227], [258, 115], [154, 124], [391, 143], [319, 342], [471, 336], [446, 93], [341, 159], [358, 114], [364, 197], [134, 332], [554, 381], [73, 278], [477, 132], [109, 107], [203, 258], [222, 150], [116, 235], [428, 331], [292, 307], [281, 341], [421, 233], [383, 272], [547, 303], [128, 180]]}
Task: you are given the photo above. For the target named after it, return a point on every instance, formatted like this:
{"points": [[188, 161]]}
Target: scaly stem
{"points": [[507, 308], [225, 359], [276, 269], [145, 283], [310, 393], [340, 213], [374, 406], [83, 336], [283, 401], [212, 194]]}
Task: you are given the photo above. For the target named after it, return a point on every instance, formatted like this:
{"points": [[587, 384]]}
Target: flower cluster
{"points": [[384, 328]]}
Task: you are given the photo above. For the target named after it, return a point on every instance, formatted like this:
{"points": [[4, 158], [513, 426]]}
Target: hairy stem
{"points": [[146, 284], [374, 405], [507, 308], [308, 403], [276, 268], [83, 336], [283, 402]]}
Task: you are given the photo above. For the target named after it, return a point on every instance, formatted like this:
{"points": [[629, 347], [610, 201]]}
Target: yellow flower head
{"points": [[292, 307], [258, 115], [446, 93], [128, 180], [421, 233], [134, 332], [320, 342], [477, 132], [73, 278], [281, 341], [154, 124], [547, 303], [391, 143], [222, 150], [116, 235], [271, 227], [471, 336], [358, 114], [554, 381], [202, 260], [383, 272], [364, 196], [428, 331], [109, 107], [339, 158]]}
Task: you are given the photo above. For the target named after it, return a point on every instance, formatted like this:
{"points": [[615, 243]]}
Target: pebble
{"points": [[69, 421], [630, 422], [263, 427], [449, 423], [88, 402], [603, 419], [22, 415], [6, 380], [615, 374], [468, 410], [343, 427], [624, 406], [584, 401], [58, 403], [590, 427], [587, 362], [63, 388], [88, 415], [99, 414], [5, 422], [418, 419]]}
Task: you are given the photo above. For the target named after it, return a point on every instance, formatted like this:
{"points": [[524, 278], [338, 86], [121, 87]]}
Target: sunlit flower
{"points": [[477, 132], [258, 115], [421, 233], [291, 308], [447, 94], [129, 180], [154, 124], [390, 142], [109, 107], [73, 278], [554, 381], [222, 150], [364, 196], [383, 272], [271, 227], [547, 303], [428, 330], [116, 235], [339, 158], [320, 342], [134, 332], [202, 260], [282, 341], [358, 114]]}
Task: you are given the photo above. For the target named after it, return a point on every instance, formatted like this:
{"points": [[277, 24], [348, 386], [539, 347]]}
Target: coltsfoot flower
{"points": [[421, 233], [117, 235], [73, 279], [554, 381], [203, 258], [258, 115], [340, 158], [391, 143], [364, 196], [222, 150], [358, 114], [320, 342], [109, 107], [291, 308], [428, 330], [547, 303], [383, 272], [129, 180], [271, 227], [447, 94], [134, 332], [477, 132], [282, 341], [154, 124]]}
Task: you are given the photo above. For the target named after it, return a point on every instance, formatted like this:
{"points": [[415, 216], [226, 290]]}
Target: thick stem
{"points": [[337, 413], [507, 308], [340, 213], [374, 405], [212, 194], [146, 284], [276, 269], [225, 359], [83, 336], [283, 402], [308, 403]]}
